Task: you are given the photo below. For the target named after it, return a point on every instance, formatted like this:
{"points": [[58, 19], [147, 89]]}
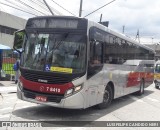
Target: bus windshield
{"points": [[59, 52]]}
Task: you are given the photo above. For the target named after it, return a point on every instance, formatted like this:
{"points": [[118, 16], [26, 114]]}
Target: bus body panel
{"points": [[74, 102], [93, 88]]}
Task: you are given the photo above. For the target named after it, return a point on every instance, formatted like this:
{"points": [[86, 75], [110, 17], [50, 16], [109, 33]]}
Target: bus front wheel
{"points": [[156, 86], [107, 98]]}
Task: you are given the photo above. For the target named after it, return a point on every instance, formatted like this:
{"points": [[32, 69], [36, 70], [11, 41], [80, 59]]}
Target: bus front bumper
{"points": [[75, 101]]}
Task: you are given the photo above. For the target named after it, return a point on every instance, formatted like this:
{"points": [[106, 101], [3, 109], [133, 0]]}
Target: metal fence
{"points": [[8, 60]]}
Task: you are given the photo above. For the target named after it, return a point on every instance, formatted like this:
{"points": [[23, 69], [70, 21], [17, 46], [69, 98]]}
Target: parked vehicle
{"points": [[157, 74]]}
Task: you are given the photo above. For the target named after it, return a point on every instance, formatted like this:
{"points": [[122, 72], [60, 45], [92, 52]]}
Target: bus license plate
{"points": [[41, 98]]}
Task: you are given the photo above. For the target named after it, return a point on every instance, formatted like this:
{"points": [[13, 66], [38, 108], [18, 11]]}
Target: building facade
{"points": [[8, 25], [156, 48]]}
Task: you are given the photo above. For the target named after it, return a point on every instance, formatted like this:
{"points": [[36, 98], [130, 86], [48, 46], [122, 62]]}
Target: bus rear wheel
{"points": [[107, 98]]}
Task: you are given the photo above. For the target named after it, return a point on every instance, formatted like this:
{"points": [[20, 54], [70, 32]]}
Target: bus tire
{"points": [[156, 86], [107, 98], [141, 88]]}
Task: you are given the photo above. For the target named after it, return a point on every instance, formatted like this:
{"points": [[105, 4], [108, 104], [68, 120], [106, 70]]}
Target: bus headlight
{"points": [[69, 92], [73, 90], [77, 88]]}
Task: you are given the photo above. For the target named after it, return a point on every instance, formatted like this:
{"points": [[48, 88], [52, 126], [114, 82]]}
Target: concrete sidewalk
{"points": [[7, 83], [7, 87]]}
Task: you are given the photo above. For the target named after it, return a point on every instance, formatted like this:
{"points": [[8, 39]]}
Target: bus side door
{"points": [[95, 73]]}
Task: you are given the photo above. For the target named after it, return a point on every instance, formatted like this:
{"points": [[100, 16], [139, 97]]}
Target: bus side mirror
{"points": [[19, 37]]}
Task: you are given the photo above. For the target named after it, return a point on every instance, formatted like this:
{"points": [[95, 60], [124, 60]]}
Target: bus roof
{"points": [[100, 26], [120, 35]]}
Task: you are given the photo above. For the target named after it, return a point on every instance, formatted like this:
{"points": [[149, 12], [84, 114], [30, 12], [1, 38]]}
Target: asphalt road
{"points": [[127, 108]]}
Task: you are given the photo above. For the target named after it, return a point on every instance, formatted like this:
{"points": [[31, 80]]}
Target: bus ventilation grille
{"points": [[51, 79]]}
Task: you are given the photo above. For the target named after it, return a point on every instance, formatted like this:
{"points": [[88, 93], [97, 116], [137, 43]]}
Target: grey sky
{"points": [[133, 14]]}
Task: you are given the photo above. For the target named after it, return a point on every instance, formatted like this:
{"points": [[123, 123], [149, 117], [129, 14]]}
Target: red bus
{"points": [[75, 63]]}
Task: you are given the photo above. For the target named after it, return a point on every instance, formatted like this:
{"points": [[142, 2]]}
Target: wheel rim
{"points": [[106, 96]]}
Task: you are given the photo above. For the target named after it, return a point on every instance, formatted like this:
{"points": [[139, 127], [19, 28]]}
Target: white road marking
{"points": [[152, 99]]}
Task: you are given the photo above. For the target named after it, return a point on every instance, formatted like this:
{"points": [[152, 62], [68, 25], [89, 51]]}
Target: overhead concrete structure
{"points": [[155, 47], [8, 25]]}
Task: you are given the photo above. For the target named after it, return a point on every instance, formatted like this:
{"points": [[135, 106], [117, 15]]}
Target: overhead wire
{"points": [[37, 7], [63, 7], [99, 8], [22, 6], [41, 4], [55, 11], [30, 7], [15, 19], [18, 9], [42, 7], [19, 5], [48, 7]]}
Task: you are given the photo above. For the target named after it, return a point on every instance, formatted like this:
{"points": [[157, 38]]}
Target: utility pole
{"points": [[80, 9], [100, 18], [48, 7], [137, 36], [123, 29]]}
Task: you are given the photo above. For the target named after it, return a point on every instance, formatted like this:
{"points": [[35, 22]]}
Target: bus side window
{"points": [[96, 58], [96, 53]]}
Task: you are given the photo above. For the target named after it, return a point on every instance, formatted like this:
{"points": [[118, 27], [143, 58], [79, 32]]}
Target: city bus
{"points": [[75, 63]]}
